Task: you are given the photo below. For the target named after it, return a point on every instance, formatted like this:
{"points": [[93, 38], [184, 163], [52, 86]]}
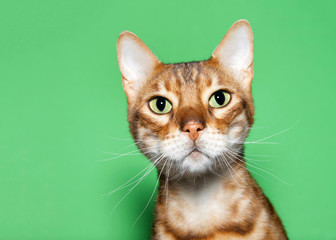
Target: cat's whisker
{"points": [[242, 165], [180, 175], [275, 134], [166, 183], [228, 164], [257, 160], [228, 168], [126, 184], [128, 146], [141, 148], [120, 139], [124, 154], [238, 154], [246, 142], [210, 169], [252, 142], [131, 153], [249, 164], [256, 128], [118, 154], [242, 158], [129, 191], [221, 165], [131, 145], [248, 154], [157, 182]]}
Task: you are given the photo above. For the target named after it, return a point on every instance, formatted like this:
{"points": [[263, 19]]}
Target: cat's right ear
{"points": [[235, 52], [136, 63]]}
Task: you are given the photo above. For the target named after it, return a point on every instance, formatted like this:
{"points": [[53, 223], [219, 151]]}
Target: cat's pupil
{"points": [[219, 97], [161, 103]]}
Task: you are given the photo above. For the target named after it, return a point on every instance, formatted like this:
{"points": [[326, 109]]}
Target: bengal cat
{"points": [[191, 119]]}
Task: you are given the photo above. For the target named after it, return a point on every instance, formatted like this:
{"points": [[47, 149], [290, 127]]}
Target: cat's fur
{"points": [[208, 193]]}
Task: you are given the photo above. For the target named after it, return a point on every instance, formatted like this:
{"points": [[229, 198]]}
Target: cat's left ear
{"points": [[235, 52], [136, 63]]}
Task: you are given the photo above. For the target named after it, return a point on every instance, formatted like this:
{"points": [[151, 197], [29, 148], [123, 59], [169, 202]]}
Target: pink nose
{"points": [[193, 128]]}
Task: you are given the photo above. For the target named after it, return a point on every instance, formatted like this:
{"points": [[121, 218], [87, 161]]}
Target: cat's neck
{"points": [[202, 204], [206, 186], [198, 182], [229, 205]]}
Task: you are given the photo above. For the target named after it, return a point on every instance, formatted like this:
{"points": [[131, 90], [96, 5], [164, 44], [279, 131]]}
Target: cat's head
{"points": [[190, 118]]}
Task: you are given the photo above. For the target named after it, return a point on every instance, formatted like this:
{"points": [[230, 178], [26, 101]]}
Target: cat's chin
{"points": [[195, 154], [196, 162]]}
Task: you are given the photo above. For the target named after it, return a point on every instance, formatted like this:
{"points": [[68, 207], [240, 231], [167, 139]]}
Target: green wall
{"points": [[63, 111]]}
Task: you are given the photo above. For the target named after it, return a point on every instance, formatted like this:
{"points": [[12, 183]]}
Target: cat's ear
{"points": [[235, 52], [136, 62]]}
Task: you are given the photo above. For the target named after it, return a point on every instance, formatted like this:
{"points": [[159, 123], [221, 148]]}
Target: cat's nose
{"points": [[193, 128]]}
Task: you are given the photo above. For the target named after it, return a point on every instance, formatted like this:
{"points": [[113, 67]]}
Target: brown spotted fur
{"points": [[248, 214]]}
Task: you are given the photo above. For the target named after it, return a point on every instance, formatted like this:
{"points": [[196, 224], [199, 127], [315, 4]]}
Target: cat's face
{"points": [[190, 118]]}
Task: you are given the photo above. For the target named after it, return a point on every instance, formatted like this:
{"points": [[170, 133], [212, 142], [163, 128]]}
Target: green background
{"points": [[63, 111]]}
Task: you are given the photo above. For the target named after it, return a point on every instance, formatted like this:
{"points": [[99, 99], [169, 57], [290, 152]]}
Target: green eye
{"points": [[160, 105], [219, 99]]}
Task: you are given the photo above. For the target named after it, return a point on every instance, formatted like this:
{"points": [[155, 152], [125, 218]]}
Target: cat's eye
{"points": [[219, 99], [160, 105]]}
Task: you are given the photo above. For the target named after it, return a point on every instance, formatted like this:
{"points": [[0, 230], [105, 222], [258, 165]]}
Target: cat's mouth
{"points": [[196, 153], [196, 161]]}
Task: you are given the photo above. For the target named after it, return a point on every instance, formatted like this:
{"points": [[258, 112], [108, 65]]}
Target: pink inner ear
{"points": [[235, 51], [136, 61]]}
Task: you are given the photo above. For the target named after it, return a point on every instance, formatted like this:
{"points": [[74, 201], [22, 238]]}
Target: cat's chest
{"points": [[203, 208]]}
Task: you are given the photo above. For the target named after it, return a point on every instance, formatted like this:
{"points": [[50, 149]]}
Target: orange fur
{"points": [[208, 192]]}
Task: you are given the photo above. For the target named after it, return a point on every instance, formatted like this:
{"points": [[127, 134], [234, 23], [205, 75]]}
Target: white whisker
{"points": [[265, 138], [228, 164], [129, 191], [120, 139], [157, 181], [249, 164], [127, 184]]}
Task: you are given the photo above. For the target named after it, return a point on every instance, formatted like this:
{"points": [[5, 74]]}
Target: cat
{"points": [[191, 119]]}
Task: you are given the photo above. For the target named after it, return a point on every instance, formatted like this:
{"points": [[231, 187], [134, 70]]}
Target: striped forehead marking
{"points": [[187, 72]]}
